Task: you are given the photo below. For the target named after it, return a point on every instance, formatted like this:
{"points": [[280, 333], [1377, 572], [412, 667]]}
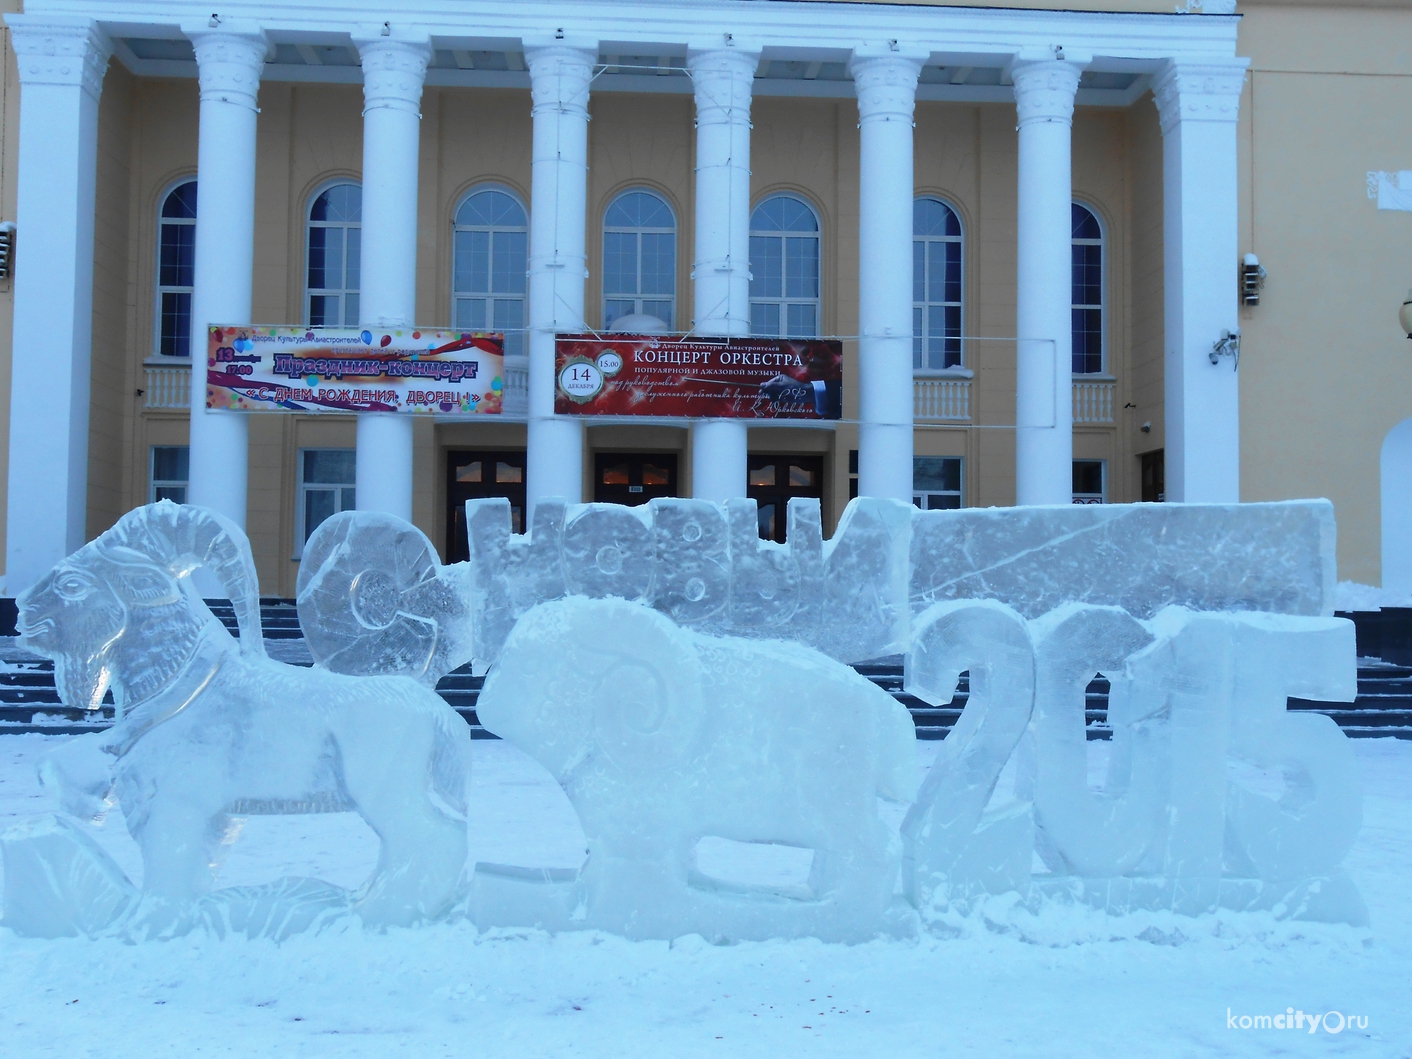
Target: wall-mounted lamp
{"points": [[1404, 315], [7, 249], [1228, 345], [1146, 428], [1252, 280]]}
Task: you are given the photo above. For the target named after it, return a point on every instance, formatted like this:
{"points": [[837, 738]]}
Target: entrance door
{"points": [[633, 478], [476, 474], [774, 480]]}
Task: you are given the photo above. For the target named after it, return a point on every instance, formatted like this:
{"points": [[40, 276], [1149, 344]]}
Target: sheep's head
{"points": [[119, 602], [74, 616]]}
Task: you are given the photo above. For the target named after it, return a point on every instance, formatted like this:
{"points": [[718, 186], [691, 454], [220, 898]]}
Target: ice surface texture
{"points": [[372, 597], [210, 730], [663, 737]]}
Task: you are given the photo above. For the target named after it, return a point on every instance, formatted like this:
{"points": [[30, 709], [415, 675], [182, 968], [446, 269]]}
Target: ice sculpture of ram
{"points": [[210, 729]]}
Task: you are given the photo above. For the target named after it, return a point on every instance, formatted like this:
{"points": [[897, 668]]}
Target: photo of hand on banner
{"points": [[667, 375]]}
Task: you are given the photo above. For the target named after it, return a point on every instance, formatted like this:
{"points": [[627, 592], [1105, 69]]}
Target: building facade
{"points": [[1026, 225]]}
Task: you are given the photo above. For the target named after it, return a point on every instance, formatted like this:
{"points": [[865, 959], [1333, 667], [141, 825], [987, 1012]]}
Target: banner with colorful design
{"points": [[423, 371], [668, 375]]}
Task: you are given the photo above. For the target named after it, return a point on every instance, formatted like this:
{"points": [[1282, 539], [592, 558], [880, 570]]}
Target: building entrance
{"points": [[471, 475], [633, 478], [774, 480]]}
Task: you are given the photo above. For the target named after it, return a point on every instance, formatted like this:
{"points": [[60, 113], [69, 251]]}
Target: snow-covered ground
{"points": [[1000, 984]]}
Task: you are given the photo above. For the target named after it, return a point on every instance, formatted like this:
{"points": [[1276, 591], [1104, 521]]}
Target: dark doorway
{"points": [[633, 478], [475, 474], [1154, 476], [774, 479]]}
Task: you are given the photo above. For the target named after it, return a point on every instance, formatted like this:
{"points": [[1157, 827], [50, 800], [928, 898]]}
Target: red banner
{"points": [[717, 378]]}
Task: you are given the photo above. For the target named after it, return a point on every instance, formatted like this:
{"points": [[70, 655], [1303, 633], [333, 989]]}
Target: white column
{"points": [[229, 60], [61, 64], [723, 79], [1044, 403], [886, 84], [559, 77], [394, 68], [1198, 104]]}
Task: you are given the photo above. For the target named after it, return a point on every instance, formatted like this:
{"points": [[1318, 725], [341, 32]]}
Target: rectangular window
{"points": [[1090, 481], [326, 487], [936, 483], [169, 473]]}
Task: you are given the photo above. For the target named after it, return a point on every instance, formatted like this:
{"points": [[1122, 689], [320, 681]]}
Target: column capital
{"points": [[1044, 89], [229, 60], [1199, 91], [60, 51], [723, 80], [394, 69], [886, 84], [559, 76]]}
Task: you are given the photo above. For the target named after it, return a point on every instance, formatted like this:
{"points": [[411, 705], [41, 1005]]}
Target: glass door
{"points": [[471, 475], [633, 478], [774, 480]]}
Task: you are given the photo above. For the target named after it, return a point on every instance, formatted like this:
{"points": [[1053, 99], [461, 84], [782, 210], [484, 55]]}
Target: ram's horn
{"points": [[375, 599], [182, 537]]}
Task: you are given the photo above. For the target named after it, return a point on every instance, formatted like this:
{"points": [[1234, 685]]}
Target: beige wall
{"points": [[9, 145], [1325, 371]]}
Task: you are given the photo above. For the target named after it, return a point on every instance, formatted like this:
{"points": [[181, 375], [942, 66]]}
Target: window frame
{"points": [[959, 492], [1102, 243], [158, 288], [516, 343], [639, 298], [309, 225], [154, 483], [925, 306], [784, 300], [302, 487], [1090, 498]]}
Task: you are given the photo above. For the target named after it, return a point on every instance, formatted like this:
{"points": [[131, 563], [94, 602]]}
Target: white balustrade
{"points": [[168, 387], [1093, 402], [947, 399], [516, 377]]}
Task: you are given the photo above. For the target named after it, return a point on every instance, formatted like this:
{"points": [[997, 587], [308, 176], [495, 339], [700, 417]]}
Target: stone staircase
{"points": [[30, 703]]}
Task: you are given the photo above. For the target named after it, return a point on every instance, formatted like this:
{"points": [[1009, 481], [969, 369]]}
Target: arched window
{"points": [[1087, 292], [936, 285], [335, 249], [639, 258], [784, 267], [490, 259], [176, 266]]}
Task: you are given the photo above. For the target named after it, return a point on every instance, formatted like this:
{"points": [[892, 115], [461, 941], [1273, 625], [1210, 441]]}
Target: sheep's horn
{"points": [[182, 537]]}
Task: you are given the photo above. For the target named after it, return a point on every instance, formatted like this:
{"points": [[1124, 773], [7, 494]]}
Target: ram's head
{"points": [[127, 586]]}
